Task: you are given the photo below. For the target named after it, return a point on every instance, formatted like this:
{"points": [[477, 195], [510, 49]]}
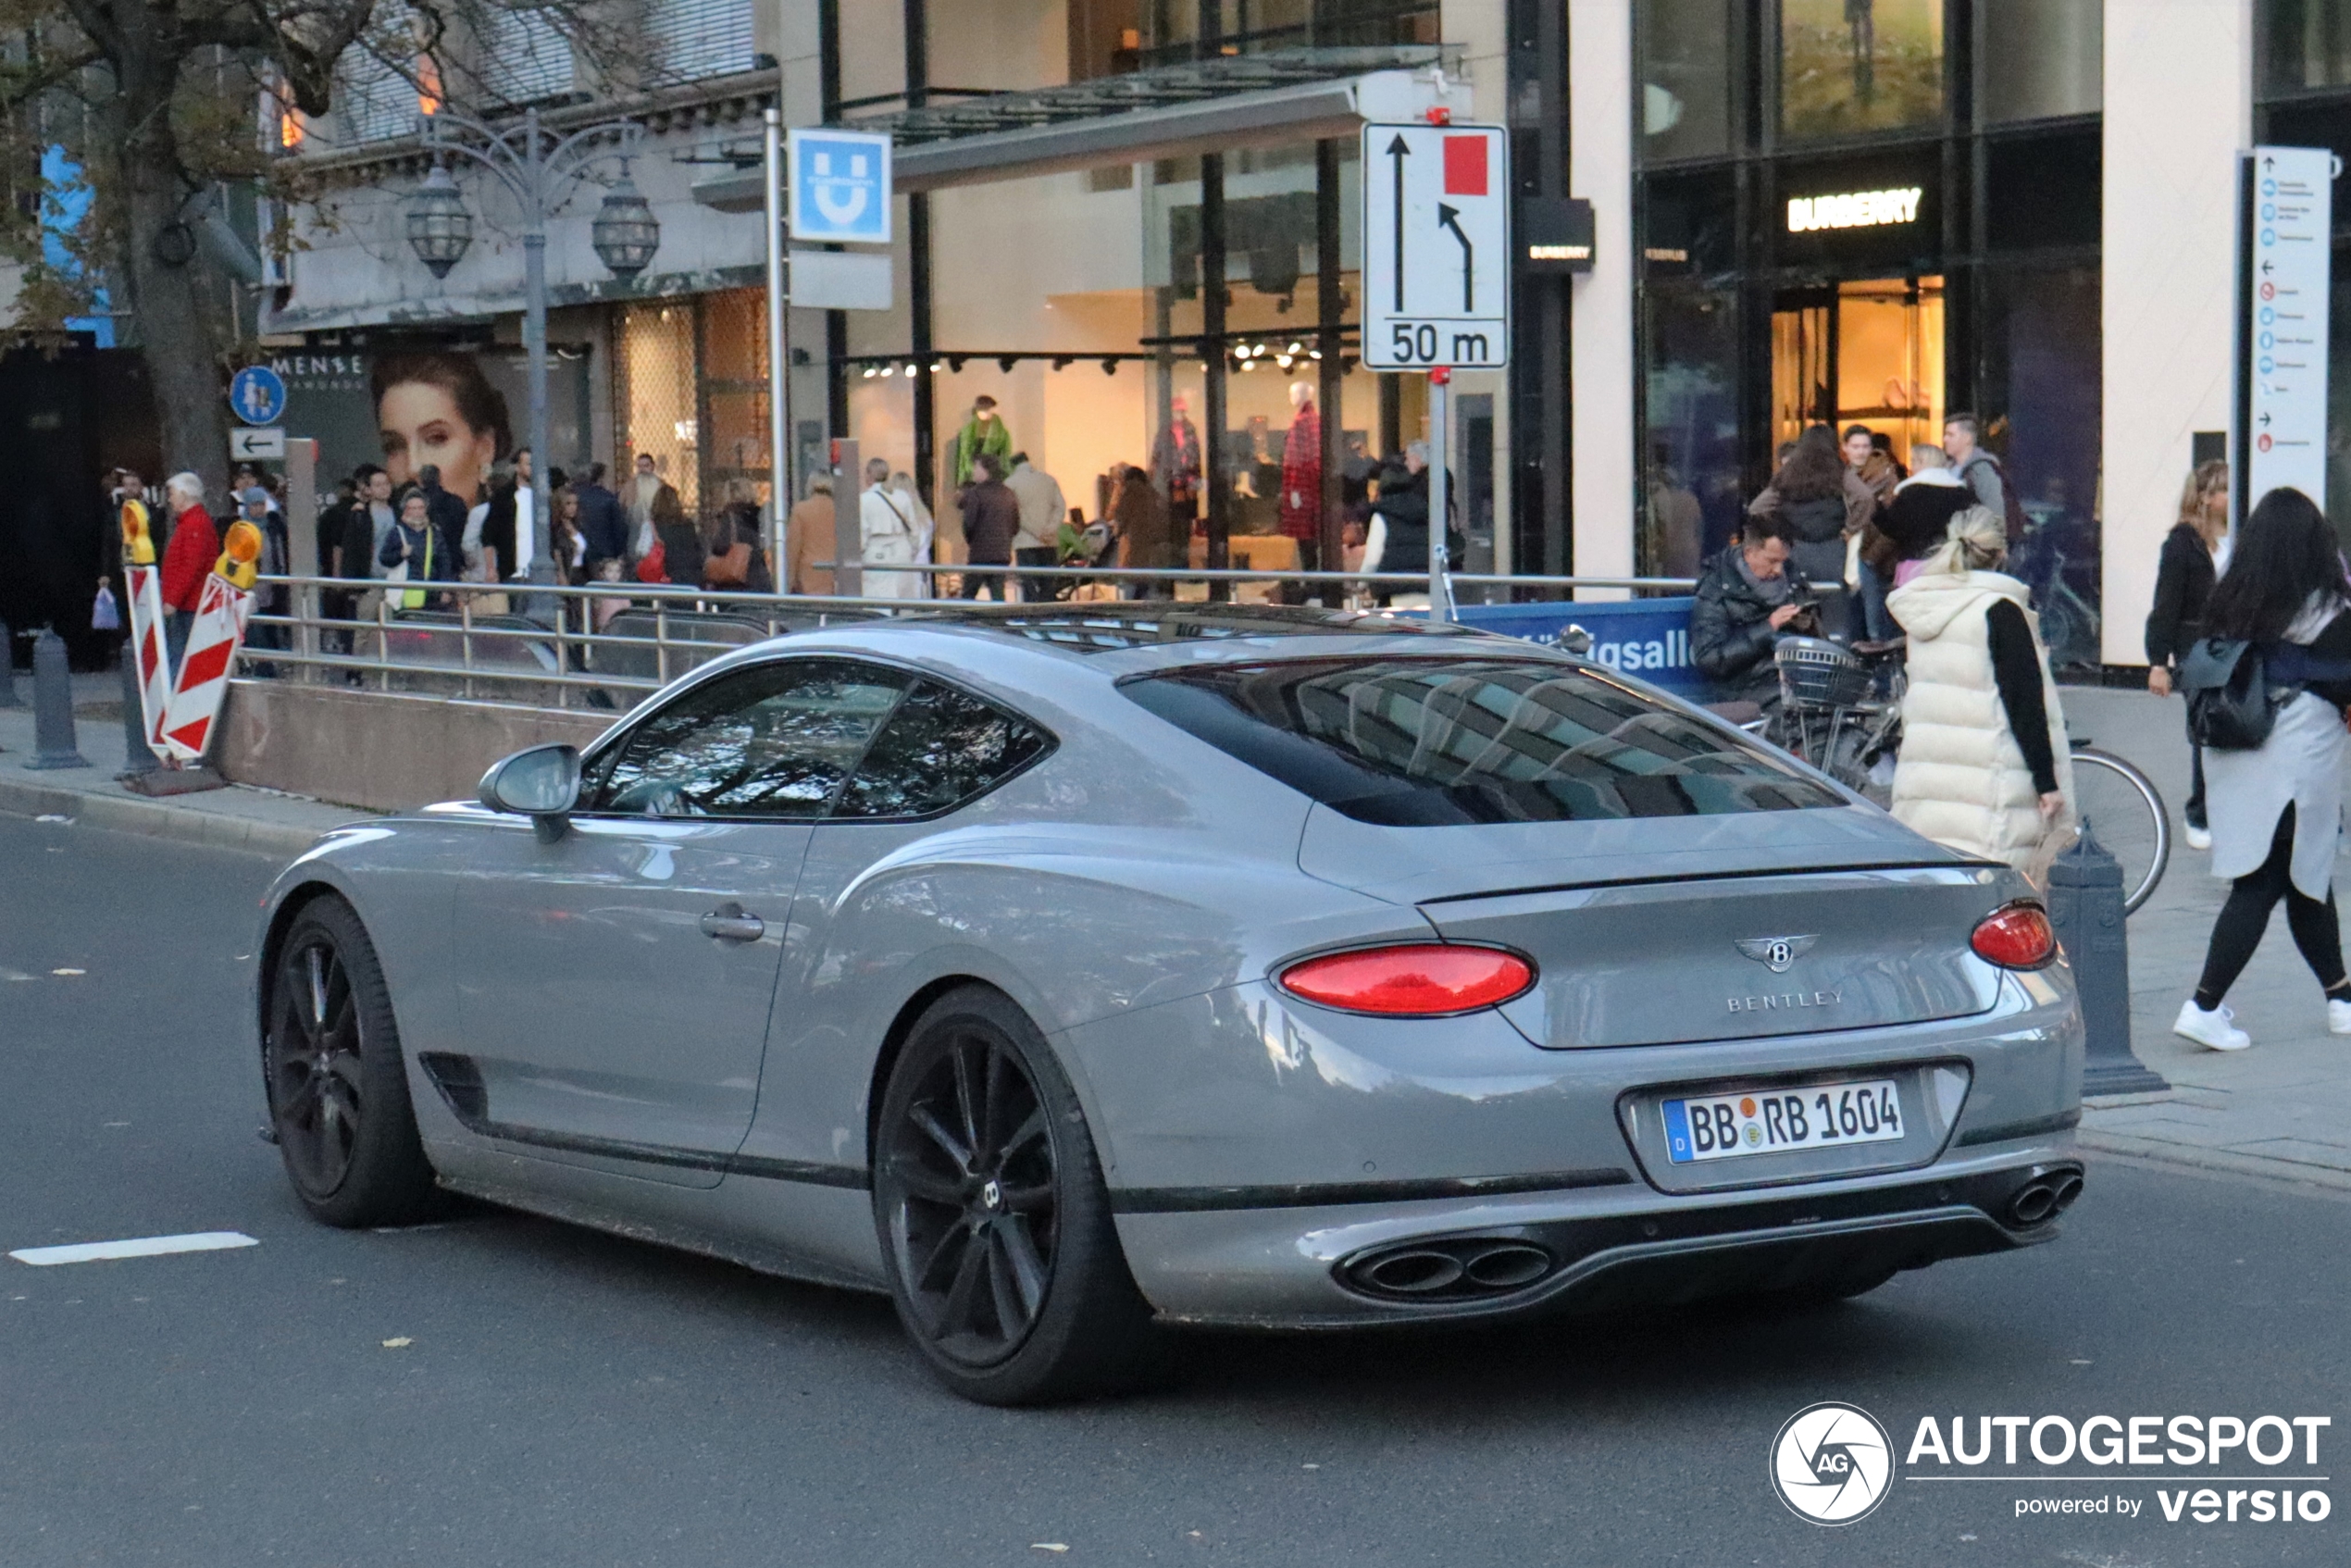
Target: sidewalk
{"points": [[2282, 1109], [255, 821]]}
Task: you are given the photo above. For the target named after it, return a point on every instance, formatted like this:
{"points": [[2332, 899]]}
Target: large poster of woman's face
{"points": [[455, 409]]}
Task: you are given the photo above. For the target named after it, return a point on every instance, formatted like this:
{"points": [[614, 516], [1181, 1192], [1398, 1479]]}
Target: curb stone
{"points": [[159, 820]]}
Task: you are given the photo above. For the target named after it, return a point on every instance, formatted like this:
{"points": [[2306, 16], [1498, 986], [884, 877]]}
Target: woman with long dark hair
{"points": [[2276, 812], [1823, 503]]}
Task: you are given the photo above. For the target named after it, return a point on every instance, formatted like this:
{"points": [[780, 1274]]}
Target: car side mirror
{"points": [[542, 783]]}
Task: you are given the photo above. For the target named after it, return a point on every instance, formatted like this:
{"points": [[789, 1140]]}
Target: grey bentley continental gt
{"points": [[1070, 972]]}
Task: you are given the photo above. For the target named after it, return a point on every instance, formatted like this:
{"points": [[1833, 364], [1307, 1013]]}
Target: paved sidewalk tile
{"points": [[2282, 1107]]}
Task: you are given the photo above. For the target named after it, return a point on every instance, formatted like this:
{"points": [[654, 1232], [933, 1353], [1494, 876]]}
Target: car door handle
{"points": [[728, 923]]}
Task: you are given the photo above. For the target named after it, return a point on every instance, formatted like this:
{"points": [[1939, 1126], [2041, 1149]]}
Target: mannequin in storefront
{"points": [[984, 431], [1176, 462], [1301, 497]]}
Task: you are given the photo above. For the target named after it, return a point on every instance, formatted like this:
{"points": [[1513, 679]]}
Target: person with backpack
{"points": [[2275, 805], [2191, 562], [1823, 503]]}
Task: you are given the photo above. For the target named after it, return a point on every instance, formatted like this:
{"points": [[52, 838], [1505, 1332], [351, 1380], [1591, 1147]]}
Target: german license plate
{"points": [[1770, 1121]]}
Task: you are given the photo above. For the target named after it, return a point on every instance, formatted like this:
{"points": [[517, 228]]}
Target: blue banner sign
{"points": [[1648, 637]]}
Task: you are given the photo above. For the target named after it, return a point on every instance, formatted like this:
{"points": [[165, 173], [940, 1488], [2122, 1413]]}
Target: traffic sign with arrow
{"points": [[1437, 274], [250, 444]]}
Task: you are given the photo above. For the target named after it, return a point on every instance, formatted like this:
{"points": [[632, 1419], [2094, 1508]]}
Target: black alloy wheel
{"points": [[995, 1225], [338, 1090]]}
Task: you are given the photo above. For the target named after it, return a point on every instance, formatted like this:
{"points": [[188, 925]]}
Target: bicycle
{"points": [[1833, 715]]}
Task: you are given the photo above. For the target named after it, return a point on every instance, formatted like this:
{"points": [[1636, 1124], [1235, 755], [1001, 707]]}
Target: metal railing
{"points": [[605, 646]]}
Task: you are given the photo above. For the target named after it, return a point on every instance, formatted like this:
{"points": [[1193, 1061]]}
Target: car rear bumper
{"points": [[1595, 1249]]}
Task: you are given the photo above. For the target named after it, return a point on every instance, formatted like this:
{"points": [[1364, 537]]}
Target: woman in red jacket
{"points": [[194, 546]]}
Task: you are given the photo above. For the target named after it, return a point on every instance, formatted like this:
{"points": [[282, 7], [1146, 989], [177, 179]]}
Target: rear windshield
{"points": [[1432, 742]]}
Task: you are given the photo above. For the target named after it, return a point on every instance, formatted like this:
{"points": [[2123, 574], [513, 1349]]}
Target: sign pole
{"points": [[1440, 581], [779, 486]]}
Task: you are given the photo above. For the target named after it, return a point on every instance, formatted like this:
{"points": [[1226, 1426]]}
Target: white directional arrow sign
{"points": [[1436, 253], [248, 444]]}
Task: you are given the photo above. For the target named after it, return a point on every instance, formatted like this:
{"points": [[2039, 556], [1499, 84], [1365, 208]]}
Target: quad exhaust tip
{"points": [[2043, 1199], [1456, 1269]]}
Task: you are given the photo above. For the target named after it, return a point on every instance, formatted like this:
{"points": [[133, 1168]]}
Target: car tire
{"points": [[994, 1220], [338, 1087]]}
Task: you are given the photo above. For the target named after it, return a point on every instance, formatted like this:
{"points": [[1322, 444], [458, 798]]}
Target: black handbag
{"points": [[2232, 703]]}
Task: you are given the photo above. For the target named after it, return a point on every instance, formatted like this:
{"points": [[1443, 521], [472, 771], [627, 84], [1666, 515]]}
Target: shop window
{"points": [[1105, 38], [733, 445], [2040, 388], [1850, 66], [2309, 43], [1689, 225], [1692, 495], [655, 382], [2324, 125], [1685, 52], [2043, 191], [2038, 58]]}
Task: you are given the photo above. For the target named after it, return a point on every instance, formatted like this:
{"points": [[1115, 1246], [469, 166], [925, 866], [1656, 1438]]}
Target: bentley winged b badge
{"points": [[1776, 954]]}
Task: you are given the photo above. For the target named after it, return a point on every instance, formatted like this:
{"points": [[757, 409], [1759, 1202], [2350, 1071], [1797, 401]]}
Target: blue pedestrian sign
{"points": [[257, 396], [839, 186]]}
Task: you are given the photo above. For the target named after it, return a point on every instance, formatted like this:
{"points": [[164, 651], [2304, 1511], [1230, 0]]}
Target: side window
{"points": [[941, 748], [774, 741]]}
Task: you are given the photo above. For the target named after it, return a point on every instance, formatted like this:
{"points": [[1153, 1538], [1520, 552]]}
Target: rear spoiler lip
{"points": [[1954, 862]]}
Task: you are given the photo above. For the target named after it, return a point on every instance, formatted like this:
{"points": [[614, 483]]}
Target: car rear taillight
{"points": [[2016, 936], [1422, 980]]}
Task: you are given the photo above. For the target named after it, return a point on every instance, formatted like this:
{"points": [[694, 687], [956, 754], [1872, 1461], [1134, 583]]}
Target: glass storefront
{"points": [[1851, 256], [689, 388]]}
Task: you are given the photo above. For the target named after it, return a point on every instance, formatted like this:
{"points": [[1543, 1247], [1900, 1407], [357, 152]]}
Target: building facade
{"points": [[1871, 211]]}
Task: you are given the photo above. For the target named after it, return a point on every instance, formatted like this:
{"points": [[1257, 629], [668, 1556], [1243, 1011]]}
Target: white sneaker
{"points": [[2199, 837], [2218, 1028], [2338, 1016]]}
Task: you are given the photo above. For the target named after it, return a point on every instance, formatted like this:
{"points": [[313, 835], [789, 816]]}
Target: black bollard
{"points": [[136, 757], [53, 706], [7, 668], [2085, 905]]}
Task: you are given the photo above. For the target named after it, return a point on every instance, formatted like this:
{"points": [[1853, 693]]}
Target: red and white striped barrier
{"points": [[180, 708]]}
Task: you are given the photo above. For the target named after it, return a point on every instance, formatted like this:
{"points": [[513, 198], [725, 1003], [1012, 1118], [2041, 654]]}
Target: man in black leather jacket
{"points": [[1744, 600]]}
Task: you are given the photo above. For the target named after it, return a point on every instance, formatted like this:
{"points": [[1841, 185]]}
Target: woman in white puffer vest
{"points": [[1983, 766]]}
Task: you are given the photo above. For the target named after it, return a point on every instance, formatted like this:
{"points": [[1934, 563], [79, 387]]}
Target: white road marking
{"points": [[140, 1247]]}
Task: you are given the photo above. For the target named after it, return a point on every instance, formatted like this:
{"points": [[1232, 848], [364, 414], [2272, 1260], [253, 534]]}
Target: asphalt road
{"points": [[561, 1397]]}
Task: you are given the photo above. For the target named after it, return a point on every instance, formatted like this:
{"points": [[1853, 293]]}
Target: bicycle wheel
{"points": [[2123, 807]]}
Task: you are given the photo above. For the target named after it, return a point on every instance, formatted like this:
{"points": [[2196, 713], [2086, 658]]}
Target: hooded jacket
{"points": [[1961, 778]]}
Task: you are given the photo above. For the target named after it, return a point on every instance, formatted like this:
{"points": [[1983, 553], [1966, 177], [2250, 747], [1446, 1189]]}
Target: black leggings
{"points": [[2247, 915]]}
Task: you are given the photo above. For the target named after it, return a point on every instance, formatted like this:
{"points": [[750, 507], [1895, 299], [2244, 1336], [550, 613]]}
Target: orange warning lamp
{"points": [[239, 551], [138, 544]]}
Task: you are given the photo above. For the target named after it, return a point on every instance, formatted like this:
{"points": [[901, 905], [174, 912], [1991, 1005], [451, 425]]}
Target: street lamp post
{"points": [[538, 166]]}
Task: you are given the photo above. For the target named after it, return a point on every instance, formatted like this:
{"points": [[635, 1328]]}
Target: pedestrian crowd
{"points": [[2252, 627]]}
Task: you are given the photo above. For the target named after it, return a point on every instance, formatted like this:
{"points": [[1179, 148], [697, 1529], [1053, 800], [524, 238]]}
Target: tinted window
{"points": [[1425, 742], [940, 749], [774, 741]]}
